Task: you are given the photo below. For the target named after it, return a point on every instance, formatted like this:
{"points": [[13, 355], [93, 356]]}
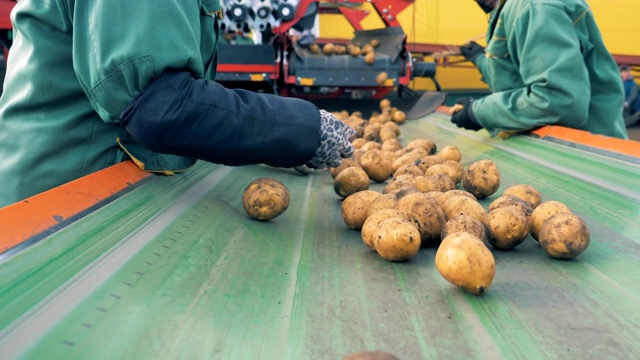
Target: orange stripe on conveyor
{"points": [[627, 147], [25, 219]]}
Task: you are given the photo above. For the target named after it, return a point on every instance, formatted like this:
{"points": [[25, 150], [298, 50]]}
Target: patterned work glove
{"points": [[471, 51], [463, 116], [335, 142]]}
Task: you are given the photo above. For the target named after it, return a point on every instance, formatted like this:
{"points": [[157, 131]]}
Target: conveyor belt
{"points": [[176, 269]]}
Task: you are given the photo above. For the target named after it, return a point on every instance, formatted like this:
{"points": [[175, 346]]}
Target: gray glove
{"points": [[335, 142]]}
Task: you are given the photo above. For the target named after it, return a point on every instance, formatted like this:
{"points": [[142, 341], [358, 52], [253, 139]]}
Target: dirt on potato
{"points": [[265, 198]]}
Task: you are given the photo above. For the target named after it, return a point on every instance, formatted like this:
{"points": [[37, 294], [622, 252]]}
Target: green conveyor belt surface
{"points": [[175, 269]]}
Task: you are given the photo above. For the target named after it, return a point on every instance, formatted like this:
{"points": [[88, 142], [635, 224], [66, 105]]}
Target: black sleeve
{"points": [[181, 115]]}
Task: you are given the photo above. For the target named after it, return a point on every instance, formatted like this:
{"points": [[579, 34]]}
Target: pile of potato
{"points": [[430, 199], [366, 51]]}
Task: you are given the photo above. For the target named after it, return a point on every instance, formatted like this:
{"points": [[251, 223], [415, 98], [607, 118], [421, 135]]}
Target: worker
{"points": [[80, 96], [631, 110], [545, 64]]}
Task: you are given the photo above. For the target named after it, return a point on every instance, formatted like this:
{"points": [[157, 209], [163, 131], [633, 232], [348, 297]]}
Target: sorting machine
{"points": [[281, 64]]}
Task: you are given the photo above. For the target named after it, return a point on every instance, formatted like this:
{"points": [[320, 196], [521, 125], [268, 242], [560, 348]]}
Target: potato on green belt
{"points": [[482, 178], [264, 199]]}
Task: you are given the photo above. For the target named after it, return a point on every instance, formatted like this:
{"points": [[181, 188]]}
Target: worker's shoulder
{"points": [[570, 5], [575, 8]]}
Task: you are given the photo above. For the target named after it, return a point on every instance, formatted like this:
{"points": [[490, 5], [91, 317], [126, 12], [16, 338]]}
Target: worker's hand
{"points": [[463, 115], [335, 142], [471, 50]]}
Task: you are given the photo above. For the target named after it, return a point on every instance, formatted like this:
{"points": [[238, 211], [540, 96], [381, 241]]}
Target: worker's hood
{"points": [[487, 5]]}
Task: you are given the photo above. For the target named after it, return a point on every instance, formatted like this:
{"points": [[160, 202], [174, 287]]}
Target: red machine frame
{"points": [[5, 19], [387, 10]]}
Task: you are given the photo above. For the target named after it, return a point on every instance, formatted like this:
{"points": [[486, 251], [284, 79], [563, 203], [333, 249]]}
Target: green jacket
{"points": [[73, 67], [546, 63]]}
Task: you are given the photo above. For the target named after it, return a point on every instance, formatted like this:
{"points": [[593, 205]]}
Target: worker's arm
{"points": [[554, 85], [182, 115]]}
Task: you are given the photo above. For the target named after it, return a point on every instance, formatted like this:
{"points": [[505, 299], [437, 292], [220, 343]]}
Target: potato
{"points": [[356, 206], [425, 212], [381, 78], [391, 144], [403, 177], [455, 192], [526, 193], [370, 355], [410, 169], [463, 205], [446, 184], [350, 180], [482, 178], [463, 260], [314, 48], [387, 133], [397, 239], [357, 153], [372, 132], [385, 103], [458, 170], [438, 195], [447, 170], [391, 155], [370, 145], [509, 200], [358, 143], [402, 151], [376, 165], [264, 199], [354, 50], [564, 236], [507, 227], [366, 49], [379, 120], [328, 49], [393, 126], [370, 226], [374, 43], [399, 117], [399, 193], [370, 58], [428, 161], [384, 201], [450, 152], [426, 144], [464, 223], [345, 163], [541, 213], [397, 184], [409, 158], [433, 183]]}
